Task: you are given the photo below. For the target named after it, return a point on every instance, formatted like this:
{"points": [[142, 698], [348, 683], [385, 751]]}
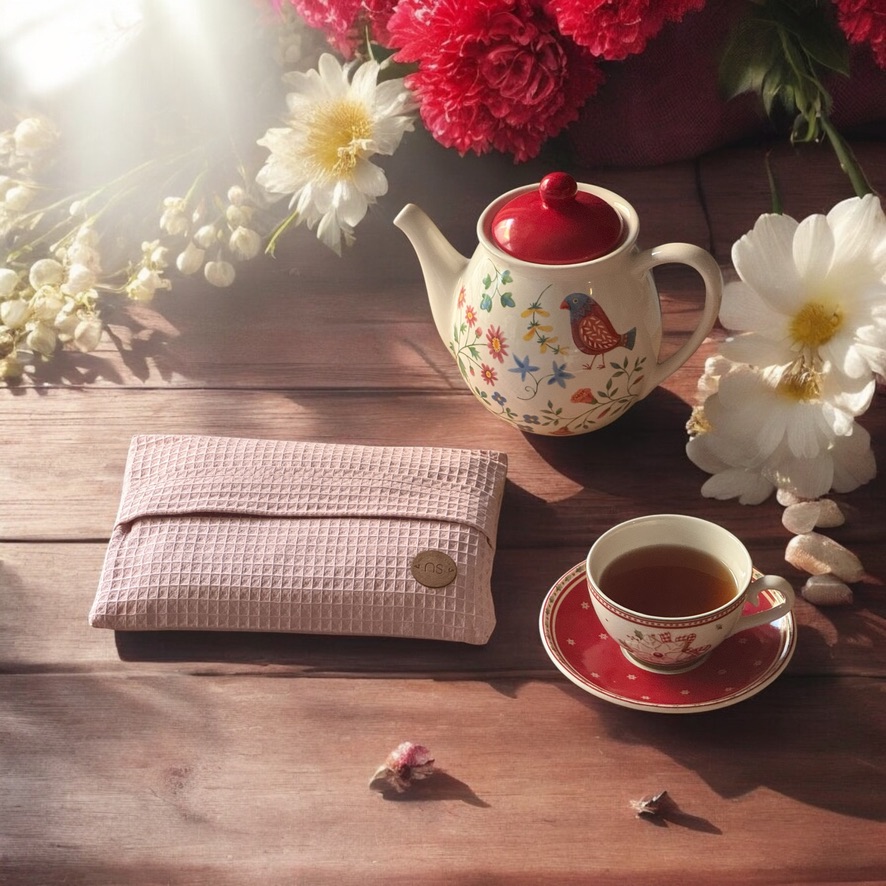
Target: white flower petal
{"points": [[801, 432], [700, 453], [743, 309], [773, 426], [859, 231], [747, 486], [851, 396], [363, 83], [805, 477], [813, 247], [757, 350], [329, 231], [764, 259], [338, 122], [854, 462], [370, 179]]}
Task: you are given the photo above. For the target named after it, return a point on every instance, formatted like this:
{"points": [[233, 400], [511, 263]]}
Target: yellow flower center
{"points": [[698, 422], [339, 132], [801, 382], [815, 324]]}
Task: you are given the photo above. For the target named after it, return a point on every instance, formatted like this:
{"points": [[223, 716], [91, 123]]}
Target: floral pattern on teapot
{"points": [[541, 382]]}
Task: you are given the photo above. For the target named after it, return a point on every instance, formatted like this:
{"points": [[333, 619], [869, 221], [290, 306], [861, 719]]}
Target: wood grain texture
{"points": [[49, 587], [809, 180], [266, 781], [230, 758]]}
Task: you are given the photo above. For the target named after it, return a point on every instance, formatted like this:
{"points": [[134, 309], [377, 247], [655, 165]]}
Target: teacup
{"points": [[669, 589]]}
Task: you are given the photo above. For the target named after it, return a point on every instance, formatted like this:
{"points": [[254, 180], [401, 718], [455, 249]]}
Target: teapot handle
{"points": [[709, 270]]}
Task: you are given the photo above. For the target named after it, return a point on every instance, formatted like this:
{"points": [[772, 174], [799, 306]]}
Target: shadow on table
{"points": [[440, 786], [817, 740]]}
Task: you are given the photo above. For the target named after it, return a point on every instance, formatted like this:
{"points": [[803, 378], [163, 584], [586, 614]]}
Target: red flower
{"points": [[493, 74], [488, 374], [583, 395], [343, 21], [864, 21], [615, 29], [496, 343]]}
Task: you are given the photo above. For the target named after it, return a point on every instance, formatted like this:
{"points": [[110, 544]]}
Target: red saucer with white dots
{"points": [[737, 669]]}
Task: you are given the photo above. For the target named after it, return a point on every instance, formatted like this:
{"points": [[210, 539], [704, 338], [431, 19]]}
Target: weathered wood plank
{"points": [[736, 190], [270, 337], [64, 454], [48, 589], [110, 780], [291, 321]]}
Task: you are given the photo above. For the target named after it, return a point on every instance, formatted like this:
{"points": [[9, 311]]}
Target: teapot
{"points": [[555, 321]]}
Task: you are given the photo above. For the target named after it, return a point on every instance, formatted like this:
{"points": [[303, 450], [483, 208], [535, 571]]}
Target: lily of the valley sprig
{"points": [[489, 75]]}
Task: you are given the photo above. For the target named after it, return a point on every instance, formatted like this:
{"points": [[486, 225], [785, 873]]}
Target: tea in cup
{"points": [[669, 588]]}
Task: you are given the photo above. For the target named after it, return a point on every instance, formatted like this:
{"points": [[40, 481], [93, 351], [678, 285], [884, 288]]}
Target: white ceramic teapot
{"points": [[555, 321]]}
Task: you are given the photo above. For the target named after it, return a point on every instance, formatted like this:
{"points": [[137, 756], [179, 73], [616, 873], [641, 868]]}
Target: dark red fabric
{"points": [[665, 104]]}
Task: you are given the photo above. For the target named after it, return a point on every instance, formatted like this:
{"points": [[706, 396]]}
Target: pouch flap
{"points": [[185, 474]]}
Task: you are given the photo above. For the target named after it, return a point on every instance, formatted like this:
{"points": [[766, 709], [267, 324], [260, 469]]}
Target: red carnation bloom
{"points": [[343, 21], [864, 21], [378, 13], [615, 29], [493, 74]]}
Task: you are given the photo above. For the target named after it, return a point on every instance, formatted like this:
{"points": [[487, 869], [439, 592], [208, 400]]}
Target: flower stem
{"points": [[777, 206], [272, 243], [848, 163]]}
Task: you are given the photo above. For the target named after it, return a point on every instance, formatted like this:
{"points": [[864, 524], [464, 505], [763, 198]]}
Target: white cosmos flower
{"points": [[814, 289], [784, 427], [322, 157]]}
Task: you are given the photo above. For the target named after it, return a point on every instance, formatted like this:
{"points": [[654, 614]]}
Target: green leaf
{"points": [[812, 26], [748, 56], [778, 51]]}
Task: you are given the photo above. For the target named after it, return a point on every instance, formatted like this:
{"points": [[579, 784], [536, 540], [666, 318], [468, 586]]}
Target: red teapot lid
{"points": [[557, 224]]}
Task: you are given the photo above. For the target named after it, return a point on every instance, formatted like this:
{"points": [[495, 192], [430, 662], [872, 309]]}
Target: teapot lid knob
{"points": [[556, 189], [557, 224]]}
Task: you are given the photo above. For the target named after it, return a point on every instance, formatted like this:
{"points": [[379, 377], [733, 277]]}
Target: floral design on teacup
{"points": [[664, 648]]}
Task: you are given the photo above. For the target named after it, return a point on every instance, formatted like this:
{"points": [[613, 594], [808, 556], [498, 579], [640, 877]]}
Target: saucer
{"points": [[737, 669]]}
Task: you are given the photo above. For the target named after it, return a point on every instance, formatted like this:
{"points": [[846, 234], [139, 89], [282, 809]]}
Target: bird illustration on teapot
{"points": [[537, 377], [592, 331], [555, 322]]}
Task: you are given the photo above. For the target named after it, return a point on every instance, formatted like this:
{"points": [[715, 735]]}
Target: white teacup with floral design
{"points": [[652, 555]]}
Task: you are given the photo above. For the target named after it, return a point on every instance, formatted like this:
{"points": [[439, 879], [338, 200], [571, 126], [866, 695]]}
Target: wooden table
{"points": [[230, 759]]}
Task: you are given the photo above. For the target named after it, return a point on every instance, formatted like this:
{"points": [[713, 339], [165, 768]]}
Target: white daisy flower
{"points": [[785, 427], [321, 158], [813, 289]]}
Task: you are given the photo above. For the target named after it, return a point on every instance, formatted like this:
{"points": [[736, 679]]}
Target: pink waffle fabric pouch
{"points": [[234, 534]]}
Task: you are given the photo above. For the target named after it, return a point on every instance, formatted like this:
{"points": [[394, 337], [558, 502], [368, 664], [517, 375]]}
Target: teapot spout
{"points": [[441, 264]]}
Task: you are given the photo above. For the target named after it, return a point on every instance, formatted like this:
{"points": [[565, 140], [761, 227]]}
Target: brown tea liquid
{"points": [[669, 581]]}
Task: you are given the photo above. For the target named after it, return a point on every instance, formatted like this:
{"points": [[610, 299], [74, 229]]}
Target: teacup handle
{"points": [[703, 262], [766, 583]]}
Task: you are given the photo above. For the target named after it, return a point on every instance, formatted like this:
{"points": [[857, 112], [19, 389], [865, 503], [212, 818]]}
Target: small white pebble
{"points": [[785, 497], [819, 555], [804, 516], [826, 590], [831, 514]]}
